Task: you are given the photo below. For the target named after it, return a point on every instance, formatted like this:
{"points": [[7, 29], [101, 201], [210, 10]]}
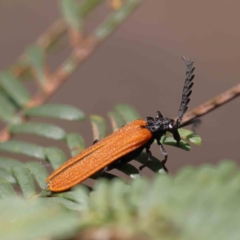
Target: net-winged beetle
{"points": [[123, 145]]}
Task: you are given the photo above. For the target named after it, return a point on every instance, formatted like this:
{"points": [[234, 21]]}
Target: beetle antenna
{"points": [[186, 89]]}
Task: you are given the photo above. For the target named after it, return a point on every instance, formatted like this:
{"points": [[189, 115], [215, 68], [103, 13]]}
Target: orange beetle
{"points": [[123, 145]]}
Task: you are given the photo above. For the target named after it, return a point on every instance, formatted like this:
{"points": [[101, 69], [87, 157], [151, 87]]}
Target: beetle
{"points": [[123, 145]]}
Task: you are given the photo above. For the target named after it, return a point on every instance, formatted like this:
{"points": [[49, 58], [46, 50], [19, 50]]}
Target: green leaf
{"points": [[25, 181], [114, 19], [59, 111], [138, 189], [40, 129], [36, 58], [7, 163], [87, 6], [116, 120], [206, 174], [155, 202], [36, 219], [5, 174], [98, 127], [190, 136], [228, 169], [71, 14], [75, 143], [172, 142], [118, 192], [127, 112], [79, 195], [39, 173], [25, 148], [55, 156], [7, 109], [6, 190], [185, 174], [195, 139], [14, 88], [234, 182], [66, 203], [100, 207]]}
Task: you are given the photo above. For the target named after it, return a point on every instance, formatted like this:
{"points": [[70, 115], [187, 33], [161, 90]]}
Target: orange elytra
{"points": [[123, 145]]}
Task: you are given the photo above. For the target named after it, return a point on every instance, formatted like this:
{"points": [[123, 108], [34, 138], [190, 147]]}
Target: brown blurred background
{"points": [[140, 65]]}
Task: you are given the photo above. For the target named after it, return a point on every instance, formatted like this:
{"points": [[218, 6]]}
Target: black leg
{"points": [[164, 153], [159, 115], [106, 169], [104, 174], [95, 141], [149, 159], [113, 165], [195, 123], [176, 136]]}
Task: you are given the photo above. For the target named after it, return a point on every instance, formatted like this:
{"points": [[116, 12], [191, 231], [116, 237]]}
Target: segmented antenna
{"points": [[186, 89]]}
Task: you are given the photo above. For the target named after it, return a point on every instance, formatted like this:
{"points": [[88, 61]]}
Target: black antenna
{"points": [[186, 89]]}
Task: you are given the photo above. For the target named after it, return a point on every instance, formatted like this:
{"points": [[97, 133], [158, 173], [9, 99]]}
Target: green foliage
{"points": [[75, 143], [115, 19], [55, 156], [35, 58], [190, 136], [14, 89], [71, 13], [35, 219], [41, 129], [25, 181], [21, 147], [195, 204], [98, 126], [7, 109], [59, 111], [127, 112]]}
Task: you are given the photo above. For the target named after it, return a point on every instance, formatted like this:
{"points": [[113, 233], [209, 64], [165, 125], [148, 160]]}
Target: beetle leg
{"points": [[149, 159], [106, 169], [176, 136], [159, 115], [95, 141], [195, 124], [164, 153], [112, 166], [104, 173]]}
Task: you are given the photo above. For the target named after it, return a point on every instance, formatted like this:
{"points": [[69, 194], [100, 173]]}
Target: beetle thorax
{"points": [[161, 124]]}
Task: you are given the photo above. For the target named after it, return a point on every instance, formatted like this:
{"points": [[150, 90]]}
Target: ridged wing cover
{"points": [[99, 155]]}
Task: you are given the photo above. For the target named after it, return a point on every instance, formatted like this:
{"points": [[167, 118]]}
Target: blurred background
{"points": [[140, 64]]}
